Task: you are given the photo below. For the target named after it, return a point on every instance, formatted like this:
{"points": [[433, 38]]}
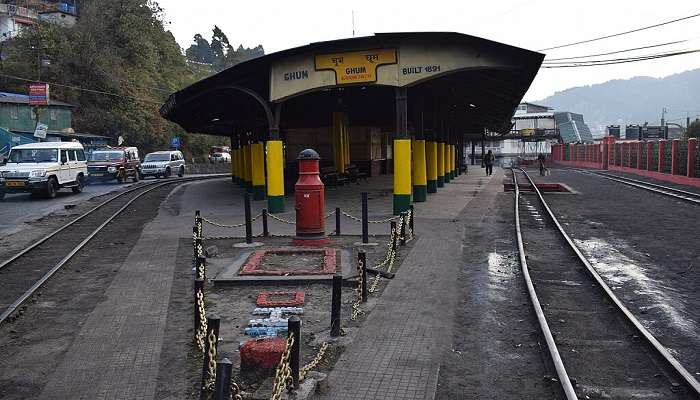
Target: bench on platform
{"points": [[331, 177], [354, 174]]}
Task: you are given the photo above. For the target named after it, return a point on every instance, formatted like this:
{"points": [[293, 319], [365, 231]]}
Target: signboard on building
{"points": [[38, 94], [405, 65], [41, 130], [356, 66]]}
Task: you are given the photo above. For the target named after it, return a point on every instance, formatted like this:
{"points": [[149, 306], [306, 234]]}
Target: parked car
{"points": [[44, 168], [112, 163], [218, 149], [217, 158], [163, 164]]}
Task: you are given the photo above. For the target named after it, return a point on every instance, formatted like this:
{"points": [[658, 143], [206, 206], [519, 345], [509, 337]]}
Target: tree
{"points": [[694, 129], [200, 51]]}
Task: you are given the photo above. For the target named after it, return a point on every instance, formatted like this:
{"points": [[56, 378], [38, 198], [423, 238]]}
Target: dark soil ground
{"points": [[181, 362], [34, 344], [497, 353], [645, 247]]}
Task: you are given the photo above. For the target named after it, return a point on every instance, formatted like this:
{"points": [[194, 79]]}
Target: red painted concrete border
{"points": [[253, 264], [692, 146], [297, 298]]}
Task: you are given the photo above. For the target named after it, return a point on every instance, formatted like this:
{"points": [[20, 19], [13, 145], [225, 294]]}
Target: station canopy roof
{"points": [[454, 81]]}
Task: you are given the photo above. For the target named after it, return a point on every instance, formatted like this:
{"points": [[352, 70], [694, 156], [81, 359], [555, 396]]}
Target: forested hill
{"points": [[636, 100]]}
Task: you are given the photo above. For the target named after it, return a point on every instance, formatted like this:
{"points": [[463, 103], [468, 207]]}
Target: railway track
{"points": [[597, 346], [652, 187], [24, 273]]}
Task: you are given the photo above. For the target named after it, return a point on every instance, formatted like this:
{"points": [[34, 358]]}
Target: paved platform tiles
{"points": [[397, 352]]}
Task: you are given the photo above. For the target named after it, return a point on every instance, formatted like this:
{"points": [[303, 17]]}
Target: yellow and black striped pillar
{"points": [[402, 155], [448, 174], [339, 136], [420, 179], [275, 177], [452, 161], [257, 153], [431, 162], [440, 164]]}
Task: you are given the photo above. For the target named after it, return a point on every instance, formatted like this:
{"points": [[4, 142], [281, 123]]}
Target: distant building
{"points": [[613, 130], [18, 122], [14, 19], [652, 132], [572, 128]]}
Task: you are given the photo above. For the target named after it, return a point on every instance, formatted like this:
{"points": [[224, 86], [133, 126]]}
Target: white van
{"points": [[44, 168]]}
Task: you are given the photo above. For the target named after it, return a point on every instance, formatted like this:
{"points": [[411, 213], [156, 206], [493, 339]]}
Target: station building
{"points": [[393, 103]]}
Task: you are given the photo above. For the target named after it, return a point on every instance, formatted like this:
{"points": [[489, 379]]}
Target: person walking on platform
{"points": [[540, 161], [488, 162]]}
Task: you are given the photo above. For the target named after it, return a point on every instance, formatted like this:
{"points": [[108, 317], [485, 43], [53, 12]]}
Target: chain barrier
{"points": [[284, 221], [319, 356], [378, 221], [220, 225], [235, 391], [330, 214], [356, 310], [283, 374], [409, 230], [202, 331], [388, 262], [211, 366]]}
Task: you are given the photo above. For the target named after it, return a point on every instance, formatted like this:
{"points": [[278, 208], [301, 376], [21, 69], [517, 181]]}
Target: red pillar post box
{"points": [[309, 202]]}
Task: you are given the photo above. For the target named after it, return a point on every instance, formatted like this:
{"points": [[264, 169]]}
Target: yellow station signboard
{"points": [[356, 66]]}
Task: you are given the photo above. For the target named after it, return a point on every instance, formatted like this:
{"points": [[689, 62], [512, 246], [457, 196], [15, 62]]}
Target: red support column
{"points": [[639, 155], [605, 156], [650, 156], [674, 156], [692, 154], [662, 155]]}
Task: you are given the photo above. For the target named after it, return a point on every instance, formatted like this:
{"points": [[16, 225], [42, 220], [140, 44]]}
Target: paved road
{"points": [[16, 209]]}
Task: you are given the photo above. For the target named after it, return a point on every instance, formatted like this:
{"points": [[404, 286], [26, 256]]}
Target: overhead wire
{"points": [[102, 92], [617, 51], [593, 63], [621, 33]]}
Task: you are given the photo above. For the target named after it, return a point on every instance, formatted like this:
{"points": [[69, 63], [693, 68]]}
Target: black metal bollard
{"points": [[362, 260], [335, 305], [222, 385], [365, 219], [197, 240], [294, 328], [248, 220], [412, 220], [337, 221], [213, 324], [201, 267], [198, 285], [266, 232], [403, 228]]}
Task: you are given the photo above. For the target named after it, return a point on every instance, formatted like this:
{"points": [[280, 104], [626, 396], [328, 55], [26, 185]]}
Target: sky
{"points": [[532, 24]]}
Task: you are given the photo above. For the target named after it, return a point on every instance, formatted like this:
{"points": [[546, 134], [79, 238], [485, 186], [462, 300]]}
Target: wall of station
{"points": [[674, 160]]}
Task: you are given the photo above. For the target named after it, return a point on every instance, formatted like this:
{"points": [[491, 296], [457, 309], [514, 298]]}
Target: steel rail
{"points": [[665, 354], [24, 297], [104, 203], [652, 187], [566, 385]]}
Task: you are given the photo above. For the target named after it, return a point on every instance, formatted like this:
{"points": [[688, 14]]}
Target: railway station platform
{"points": [[118, 350]]}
